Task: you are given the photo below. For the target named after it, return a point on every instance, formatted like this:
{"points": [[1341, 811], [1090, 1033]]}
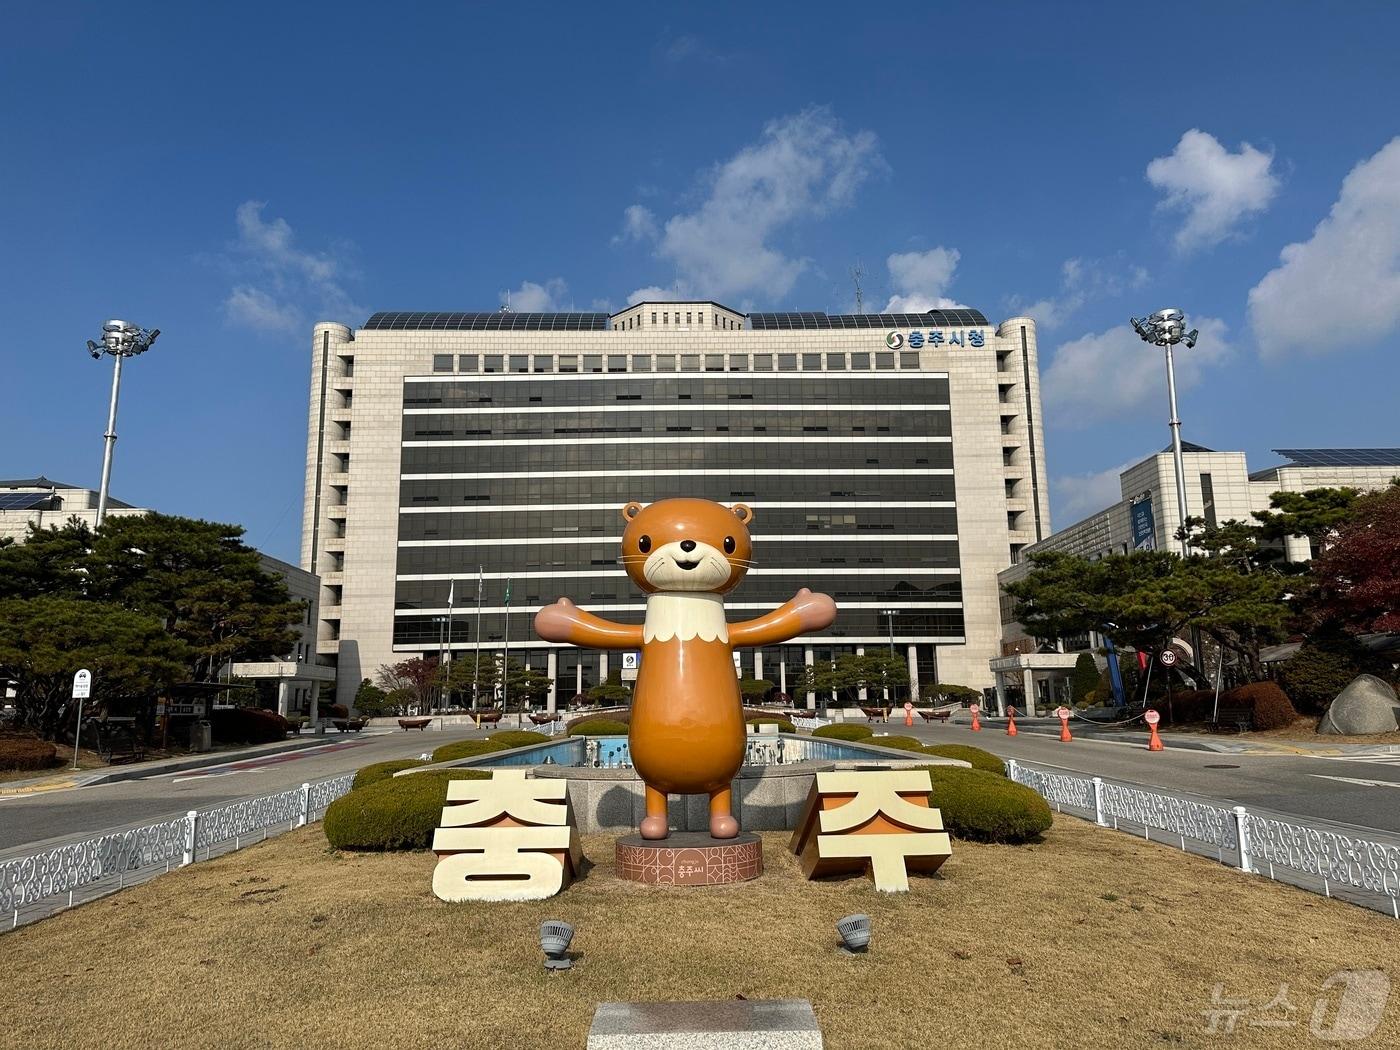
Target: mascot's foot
{"points": [[722, 826], [656, 827]]}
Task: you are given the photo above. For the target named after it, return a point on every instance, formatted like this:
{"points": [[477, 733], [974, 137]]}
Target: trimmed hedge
{"points": [[1271, 706], [902, 743], [25, 753], [373, 774], [465, 749], [974, 756], [399, 813], [599, 727], [984, 807], [784, 726], [508, 738], [844, 731], [246, 725]]}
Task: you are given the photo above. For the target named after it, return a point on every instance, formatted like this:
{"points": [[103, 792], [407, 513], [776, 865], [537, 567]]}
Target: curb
{"points": [[139, 772]]}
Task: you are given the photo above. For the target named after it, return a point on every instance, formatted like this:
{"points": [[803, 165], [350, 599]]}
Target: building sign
{"points": [[1144, 526], [918, 339], [505, 839], [871, 820]]}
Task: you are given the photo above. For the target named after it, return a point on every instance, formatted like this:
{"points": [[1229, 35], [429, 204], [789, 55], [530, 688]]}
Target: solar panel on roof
{"points": [[1342, 457], [489, 322], [951, 318], [23, 500]]}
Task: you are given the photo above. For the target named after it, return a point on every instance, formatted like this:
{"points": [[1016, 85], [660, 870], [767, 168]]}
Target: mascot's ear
{"points": [[631, 510], [743, 513]]}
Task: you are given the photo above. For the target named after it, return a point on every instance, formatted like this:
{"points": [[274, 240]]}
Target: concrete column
{"points": [[913, 673], [782, 675], [602, 667], [578, 676], [283, 698], [315, 702], [811, 697], [1001, 694], [1028, 677], [551, 668], [757, 663], [864, 693], [1297, 548]]}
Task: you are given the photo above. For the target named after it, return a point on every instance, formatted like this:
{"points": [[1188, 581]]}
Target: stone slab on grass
{"points": [[723, 1024]]}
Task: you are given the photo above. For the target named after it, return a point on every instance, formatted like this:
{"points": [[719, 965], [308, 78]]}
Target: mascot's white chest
{"points": [[687, 616]]}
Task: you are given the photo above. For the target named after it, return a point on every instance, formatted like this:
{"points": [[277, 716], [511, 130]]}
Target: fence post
{"points": [[191, 825], [1098, 803], [1242, 833], [1011, 769], [305, 809]]}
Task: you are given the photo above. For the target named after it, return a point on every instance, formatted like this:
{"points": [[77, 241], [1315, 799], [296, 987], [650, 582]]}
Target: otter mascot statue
{"points": [[687, 726]]}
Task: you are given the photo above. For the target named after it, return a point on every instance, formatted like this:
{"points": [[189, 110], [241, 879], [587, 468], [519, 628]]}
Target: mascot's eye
{"points": [[729, 545], [644, 544]]}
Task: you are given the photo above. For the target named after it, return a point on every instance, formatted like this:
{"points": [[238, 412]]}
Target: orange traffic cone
{"points": [[976, 722], [1064, 729], [1011, 729], [1154, 742], [909, 714]]}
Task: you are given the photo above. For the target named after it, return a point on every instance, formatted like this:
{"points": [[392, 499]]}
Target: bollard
{"points": [[908, 713], [1063, 713], [1154, 742], [1011, 729], [976, 724]]}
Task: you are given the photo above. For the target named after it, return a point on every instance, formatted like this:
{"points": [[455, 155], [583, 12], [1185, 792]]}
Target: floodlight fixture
{"points": [[555, 935], [855, 934], [1167, 328], [120, 339]]}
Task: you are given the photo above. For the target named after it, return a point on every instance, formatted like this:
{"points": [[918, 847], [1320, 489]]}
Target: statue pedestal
{"points": [[689, 858]]}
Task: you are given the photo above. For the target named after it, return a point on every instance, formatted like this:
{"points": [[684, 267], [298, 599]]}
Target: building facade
{"points": [[894, 461]]}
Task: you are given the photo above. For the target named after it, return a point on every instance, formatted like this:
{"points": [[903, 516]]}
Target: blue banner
{"points": [[1144, 526]]}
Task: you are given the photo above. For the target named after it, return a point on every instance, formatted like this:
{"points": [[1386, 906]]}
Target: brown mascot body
{"points": [[687, 725]]}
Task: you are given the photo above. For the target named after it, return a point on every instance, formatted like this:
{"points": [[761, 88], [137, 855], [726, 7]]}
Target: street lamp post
{"points": [[121, 339], [890, 614], [1166, 328]]}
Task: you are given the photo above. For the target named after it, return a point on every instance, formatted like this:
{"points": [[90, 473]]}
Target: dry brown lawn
{"points": [[1088, 939], [1304, 730]]}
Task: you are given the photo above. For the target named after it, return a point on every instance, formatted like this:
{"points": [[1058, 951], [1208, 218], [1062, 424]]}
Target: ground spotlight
{"points": [[855, 933], [554, 942]]}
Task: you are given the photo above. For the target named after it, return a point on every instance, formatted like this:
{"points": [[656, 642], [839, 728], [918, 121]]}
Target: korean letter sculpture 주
{"points": [[687, 726]]}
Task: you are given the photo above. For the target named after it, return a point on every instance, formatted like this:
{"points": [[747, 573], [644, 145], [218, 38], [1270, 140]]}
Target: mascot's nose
{"points": [[687, 545]]}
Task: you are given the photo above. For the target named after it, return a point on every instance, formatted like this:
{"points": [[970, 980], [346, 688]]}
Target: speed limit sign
{"points": [[1168, 657]]}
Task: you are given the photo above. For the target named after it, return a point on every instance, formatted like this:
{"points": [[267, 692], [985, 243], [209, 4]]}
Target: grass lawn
{"points": [[1304, 730], [1088, 939]]}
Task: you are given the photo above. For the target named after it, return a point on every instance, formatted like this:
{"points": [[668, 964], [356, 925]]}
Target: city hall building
{"points": [[894, 461]]}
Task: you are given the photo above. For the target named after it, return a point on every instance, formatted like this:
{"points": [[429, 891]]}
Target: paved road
{"points": [[1350, 791], [31, 821]]}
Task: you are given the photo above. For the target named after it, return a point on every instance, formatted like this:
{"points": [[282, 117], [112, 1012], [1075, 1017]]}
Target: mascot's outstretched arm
{"points": [[566, 622], [805, 612]]}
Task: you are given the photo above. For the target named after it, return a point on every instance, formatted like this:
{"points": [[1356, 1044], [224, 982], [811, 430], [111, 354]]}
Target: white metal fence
{"points": [[1337, 860], [36, 886]]}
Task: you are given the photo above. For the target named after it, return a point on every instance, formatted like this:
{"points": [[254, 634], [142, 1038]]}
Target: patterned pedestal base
{"points": [[689, 858]]}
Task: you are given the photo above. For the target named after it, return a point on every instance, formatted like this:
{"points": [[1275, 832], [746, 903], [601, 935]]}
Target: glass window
{"points": [[690, 362], [787, 362], [884, 360], [665, 362], [519, 363], [617, 363], [568, 362], [860, 361], [653, 317], [738, 362], [909, 359], [641, 362], [763, 362], [493, 363], [442, 362], [592, 362], [811, 362], [467, 362], [544, 363], [665, 317], [836, 362], [714, 362], [687, 317]]}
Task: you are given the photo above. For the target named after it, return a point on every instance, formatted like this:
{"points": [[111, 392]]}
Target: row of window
{"points": [[705, 389], [771, 486], [717, 320], [834, 361]]}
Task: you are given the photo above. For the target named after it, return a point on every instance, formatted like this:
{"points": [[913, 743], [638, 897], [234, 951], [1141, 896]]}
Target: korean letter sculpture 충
{"points": [[687, 725]]}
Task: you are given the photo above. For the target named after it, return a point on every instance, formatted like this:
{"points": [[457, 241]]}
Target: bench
{"points": [[414, 723], [940, 715], [1242, 718], [488, 718], [118, 743], [875, 714], [349, 725]]}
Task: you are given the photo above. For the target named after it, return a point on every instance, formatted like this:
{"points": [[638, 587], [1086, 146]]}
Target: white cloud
{"points": [[801, 168], [1081, 281], [1216, 189], [638, 224], [532, 298], [1348, 274], [655, 294], [1076, 496], [280, 282], [919, 279], [1114, 373]]}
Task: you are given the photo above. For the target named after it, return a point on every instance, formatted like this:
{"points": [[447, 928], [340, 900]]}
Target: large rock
{"points": [[1366, 705]]}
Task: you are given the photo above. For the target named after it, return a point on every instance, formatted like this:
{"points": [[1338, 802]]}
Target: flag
{"points": [[451, 590], [507, 592]]}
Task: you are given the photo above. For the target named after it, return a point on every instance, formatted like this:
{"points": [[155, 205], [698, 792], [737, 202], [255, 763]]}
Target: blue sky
{"points": [[231, 175]]}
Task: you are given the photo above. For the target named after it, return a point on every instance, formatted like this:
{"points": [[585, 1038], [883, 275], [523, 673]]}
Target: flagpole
{"points": [[476, 665], [447, 663]]}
